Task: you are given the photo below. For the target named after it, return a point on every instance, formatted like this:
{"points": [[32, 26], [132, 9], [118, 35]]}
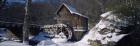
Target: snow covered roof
{"points": [[71, 9]]}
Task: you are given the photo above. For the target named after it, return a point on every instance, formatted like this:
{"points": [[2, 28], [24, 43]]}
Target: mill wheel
{"points": [[67, 32], [59, 28], [65, 29]]}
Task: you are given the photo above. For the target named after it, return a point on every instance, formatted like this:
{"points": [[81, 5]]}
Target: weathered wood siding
{"points": [[76, 21], [73, 20]]}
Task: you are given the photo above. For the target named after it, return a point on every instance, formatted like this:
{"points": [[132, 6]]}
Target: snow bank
{"points": [[63, 44], [46, 42], [12, 43], [3, 34], [60, 38]]}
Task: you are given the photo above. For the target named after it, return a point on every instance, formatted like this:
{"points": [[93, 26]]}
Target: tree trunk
{"points": [[26, 22]]}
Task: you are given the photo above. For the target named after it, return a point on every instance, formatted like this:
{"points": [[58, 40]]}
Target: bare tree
{"points": [[26, 22]]}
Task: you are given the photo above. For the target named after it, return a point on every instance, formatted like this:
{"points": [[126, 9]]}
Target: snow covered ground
{"points": [[105, 31], [12, 43]]}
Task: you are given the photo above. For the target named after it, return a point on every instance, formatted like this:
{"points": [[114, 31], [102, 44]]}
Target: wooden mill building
{"points": [[68, 15]]}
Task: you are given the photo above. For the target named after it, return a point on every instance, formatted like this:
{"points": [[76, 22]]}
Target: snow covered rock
{"points": [[3, 34], [107, 30], [6, 34], [60, 38]]}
